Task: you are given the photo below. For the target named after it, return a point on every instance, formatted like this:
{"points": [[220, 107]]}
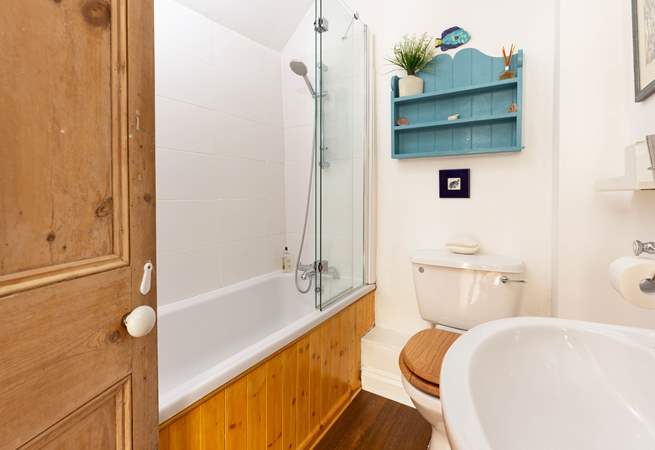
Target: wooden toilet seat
{"points": [[421, 358]]}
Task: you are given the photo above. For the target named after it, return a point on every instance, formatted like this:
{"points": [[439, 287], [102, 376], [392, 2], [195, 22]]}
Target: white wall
{"points": [[268, 22], [539, 205], [220, 155], [511, 202], [598, 118]]}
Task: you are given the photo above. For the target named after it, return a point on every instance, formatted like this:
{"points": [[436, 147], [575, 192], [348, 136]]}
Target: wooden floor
{"points": [[375, 423]]}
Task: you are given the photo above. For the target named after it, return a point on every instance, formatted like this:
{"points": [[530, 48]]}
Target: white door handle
{"points": [[140, 321]]}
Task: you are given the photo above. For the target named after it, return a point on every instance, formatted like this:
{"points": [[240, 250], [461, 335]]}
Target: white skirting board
{"points": [[385, 385], [380, 372]]}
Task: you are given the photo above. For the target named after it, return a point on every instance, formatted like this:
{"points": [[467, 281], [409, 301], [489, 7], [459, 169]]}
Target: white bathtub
{"points": [[207, 340]]}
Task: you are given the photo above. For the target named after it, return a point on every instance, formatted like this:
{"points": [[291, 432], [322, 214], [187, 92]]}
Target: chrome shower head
{"points": [[300, 69]]}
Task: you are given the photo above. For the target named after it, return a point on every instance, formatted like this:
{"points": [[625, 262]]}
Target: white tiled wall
{"points": [[298, 136], [220, 155]]}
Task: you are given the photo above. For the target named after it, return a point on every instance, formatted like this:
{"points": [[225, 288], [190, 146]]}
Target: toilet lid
{"points": [[421, 358]]}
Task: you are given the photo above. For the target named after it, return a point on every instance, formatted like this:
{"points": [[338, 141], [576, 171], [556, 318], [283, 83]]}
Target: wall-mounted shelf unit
{"points": [[468, 85], [637, 173]]}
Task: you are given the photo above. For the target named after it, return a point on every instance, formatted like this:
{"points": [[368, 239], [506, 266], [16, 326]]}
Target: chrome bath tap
{"points": [[310, 270], [306, 271]]}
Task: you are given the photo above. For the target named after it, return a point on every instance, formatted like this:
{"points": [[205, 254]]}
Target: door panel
{"points": [[62, 183], [77, 223], [65, 345], [102, 424]]}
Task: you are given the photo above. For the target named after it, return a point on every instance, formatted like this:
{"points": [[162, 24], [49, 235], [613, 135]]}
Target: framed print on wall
{"points": [[643, 34], [455, 183]]}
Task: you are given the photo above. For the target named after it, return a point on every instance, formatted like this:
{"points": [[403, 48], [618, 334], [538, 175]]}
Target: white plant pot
{"points": [[410, 85]]}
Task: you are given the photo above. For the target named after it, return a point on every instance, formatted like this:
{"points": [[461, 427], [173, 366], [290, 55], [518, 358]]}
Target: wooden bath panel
{"points": [[287, 401]]}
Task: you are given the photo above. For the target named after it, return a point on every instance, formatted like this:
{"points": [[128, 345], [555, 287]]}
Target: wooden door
{"points": [[77, 224]]}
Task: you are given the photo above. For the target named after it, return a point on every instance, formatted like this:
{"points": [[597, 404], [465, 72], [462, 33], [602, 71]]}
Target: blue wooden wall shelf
{"points": [[469, 85]]}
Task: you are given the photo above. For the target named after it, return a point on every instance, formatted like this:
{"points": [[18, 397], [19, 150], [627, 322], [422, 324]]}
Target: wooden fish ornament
{"points": [[451, 38]]}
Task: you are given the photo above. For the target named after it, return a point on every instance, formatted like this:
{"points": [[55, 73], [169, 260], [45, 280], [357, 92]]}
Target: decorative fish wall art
{"points": [[452, 37]]}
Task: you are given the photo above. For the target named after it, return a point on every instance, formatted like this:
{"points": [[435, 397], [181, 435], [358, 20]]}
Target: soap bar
{"points": [[464, 246]]}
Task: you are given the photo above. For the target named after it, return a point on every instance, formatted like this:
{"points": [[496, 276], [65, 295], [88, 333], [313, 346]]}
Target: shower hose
{"points": [[304, 228]]}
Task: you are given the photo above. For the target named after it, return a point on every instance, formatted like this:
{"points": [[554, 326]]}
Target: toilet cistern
{"points": [[460, 291]]}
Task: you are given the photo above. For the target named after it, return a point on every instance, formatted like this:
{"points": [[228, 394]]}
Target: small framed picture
{"points": [[455, 183], [643, 47]]}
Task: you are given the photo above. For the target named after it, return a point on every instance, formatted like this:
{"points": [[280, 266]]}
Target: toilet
{"points": [[455, 293]]}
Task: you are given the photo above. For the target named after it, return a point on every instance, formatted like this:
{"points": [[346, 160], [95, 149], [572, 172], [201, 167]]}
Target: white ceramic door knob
{"points": [[140, 321]]}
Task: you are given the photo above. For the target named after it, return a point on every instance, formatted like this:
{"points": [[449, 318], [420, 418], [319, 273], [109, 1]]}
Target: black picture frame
{"points": [[455, 183], [641, 94]]}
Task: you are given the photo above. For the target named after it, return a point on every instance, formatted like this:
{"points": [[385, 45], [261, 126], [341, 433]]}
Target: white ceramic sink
{"points": [[541, 383]]}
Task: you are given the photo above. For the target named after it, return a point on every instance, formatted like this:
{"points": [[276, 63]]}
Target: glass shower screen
{"points": [[341, 110]]}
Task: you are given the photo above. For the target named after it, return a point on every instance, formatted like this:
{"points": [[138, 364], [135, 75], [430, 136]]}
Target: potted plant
{"points": [[412, 54]]}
